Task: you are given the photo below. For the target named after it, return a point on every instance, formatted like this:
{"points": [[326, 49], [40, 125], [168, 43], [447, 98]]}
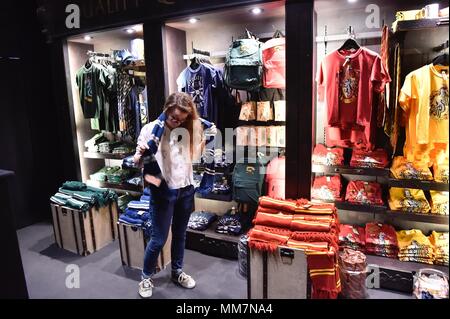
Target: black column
{"points": [[155, 66], [299, 93], [12, 277]]}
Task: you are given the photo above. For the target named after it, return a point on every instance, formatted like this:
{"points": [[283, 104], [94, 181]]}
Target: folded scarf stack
{"points": [[78, 195], [304, 225]]}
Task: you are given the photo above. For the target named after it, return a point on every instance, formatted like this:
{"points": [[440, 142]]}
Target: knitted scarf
{"points": [[151, 166], [315, 230]]}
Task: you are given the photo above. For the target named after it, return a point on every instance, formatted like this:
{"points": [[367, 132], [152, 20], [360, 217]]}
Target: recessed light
{"points": [[87, 38], [352, 1], [256, 11], [193, 20], [138, 28], [130, 30]]}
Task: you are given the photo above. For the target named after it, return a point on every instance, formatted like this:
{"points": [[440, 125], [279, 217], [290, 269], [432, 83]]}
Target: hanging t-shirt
{"points": [[424, 98], [347, 81], [91, 82], [199, 84]]}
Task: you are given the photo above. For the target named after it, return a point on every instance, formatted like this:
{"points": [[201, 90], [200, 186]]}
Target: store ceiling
{"points": [[272, 10], [119, 33]]}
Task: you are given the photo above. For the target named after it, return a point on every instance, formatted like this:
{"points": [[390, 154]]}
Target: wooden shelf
{"points": [[385, 211], [350, 170], [105, 155], [424, 218], [421, 24], [418, 184], [118, 187]]}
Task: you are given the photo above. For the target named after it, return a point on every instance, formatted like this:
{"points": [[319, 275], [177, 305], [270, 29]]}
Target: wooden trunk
{"points": [[84, 232], [279, 275], [133, 244]]}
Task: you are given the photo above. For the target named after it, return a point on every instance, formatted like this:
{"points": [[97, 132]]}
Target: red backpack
{"points": [[274, 63]]}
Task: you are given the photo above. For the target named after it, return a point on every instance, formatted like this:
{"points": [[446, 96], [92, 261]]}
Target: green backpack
{"points": [[248, 179], [243, 65]]}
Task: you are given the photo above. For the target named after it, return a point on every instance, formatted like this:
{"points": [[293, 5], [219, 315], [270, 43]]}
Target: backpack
{"points": [[274, 62], [275, 178], [248, 179], [243, 65]]}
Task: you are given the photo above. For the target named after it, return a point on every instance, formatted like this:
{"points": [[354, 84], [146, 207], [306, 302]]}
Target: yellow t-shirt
{"points": [[439, 202], [403, 169], [413, 239], [424, 98], [409, 200]]}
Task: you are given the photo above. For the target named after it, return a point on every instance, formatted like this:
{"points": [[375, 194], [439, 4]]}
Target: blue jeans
{"points": [[170, 206]]}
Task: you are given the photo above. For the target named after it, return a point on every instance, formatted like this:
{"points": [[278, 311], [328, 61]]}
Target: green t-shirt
{"points": [[92, 83]]}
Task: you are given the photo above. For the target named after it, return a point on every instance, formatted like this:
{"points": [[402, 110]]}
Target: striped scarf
{"points": [[303, 225], [151, 166]]}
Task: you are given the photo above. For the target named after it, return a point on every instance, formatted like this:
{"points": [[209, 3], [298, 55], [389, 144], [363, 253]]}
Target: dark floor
{"points": [[103, 276]]}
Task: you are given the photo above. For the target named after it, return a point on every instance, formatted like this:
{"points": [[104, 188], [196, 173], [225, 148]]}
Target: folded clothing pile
{"points": [[78, 195], [362, 192], [381, 240], [327, 188], [415, 246], [115, 175], [201, 220], [408, 200], [230, 224], [402, 169], [92, 144], [373, 159], [329, 156], [440, 244], [439, 202], [304, 225], [122, 149], [138, 214], [352, 237]]}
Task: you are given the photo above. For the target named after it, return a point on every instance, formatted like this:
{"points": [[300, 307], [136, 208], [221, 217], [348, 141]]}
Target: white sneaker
{"points": [[185, 281], [146, 288]]}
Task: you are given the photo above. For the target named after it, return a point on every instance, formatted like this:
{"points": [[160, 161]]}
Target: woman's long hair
{"points": [[184, 103]]}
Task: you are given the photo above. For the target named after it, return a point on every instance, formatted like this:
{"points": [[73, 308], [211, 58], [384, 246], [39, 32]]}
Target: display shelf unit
{"points": [[418, 217], [105, 155], [117, 187], [398, 275], [211, 243], [382, 210], [344, 169], [421, 24], [418, 184]]}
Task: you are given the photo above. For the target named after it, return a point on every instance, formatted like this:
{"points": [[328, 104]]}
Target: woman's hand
{"points": [[153, 180], [140, 149]]}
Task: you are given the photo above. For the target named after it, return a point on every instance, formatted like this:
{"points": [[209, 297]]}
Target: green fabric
{"points": [[74, 185], [98, 197]]}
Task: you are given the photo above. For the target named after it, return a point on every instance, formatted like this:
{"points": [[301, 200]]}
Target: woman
{"points": [[168, 173]]}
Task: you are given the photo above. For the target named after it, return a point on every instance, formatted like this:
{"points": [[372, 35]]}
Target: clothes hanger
{"points": [[350, 43]]}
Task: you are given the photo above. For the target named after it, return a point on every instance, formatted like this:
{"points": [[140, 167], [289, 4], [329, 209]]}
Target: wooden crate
{"points": [[279, 275], [84, 232], [133, 244]]}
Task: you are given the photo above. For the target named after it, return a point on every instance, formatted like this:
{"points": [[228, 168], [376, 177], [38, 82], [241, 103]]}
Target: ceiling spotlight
{"points": [[138, 28], [193, 20], [256, 10], [352, 1], [87, 38], [130, 30]]}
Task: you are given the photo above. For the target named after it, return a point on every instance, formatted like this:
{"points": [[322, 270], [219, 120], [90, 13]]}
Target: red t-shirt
{"points": [[364, 193], [327, 188], [347, 81]]}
